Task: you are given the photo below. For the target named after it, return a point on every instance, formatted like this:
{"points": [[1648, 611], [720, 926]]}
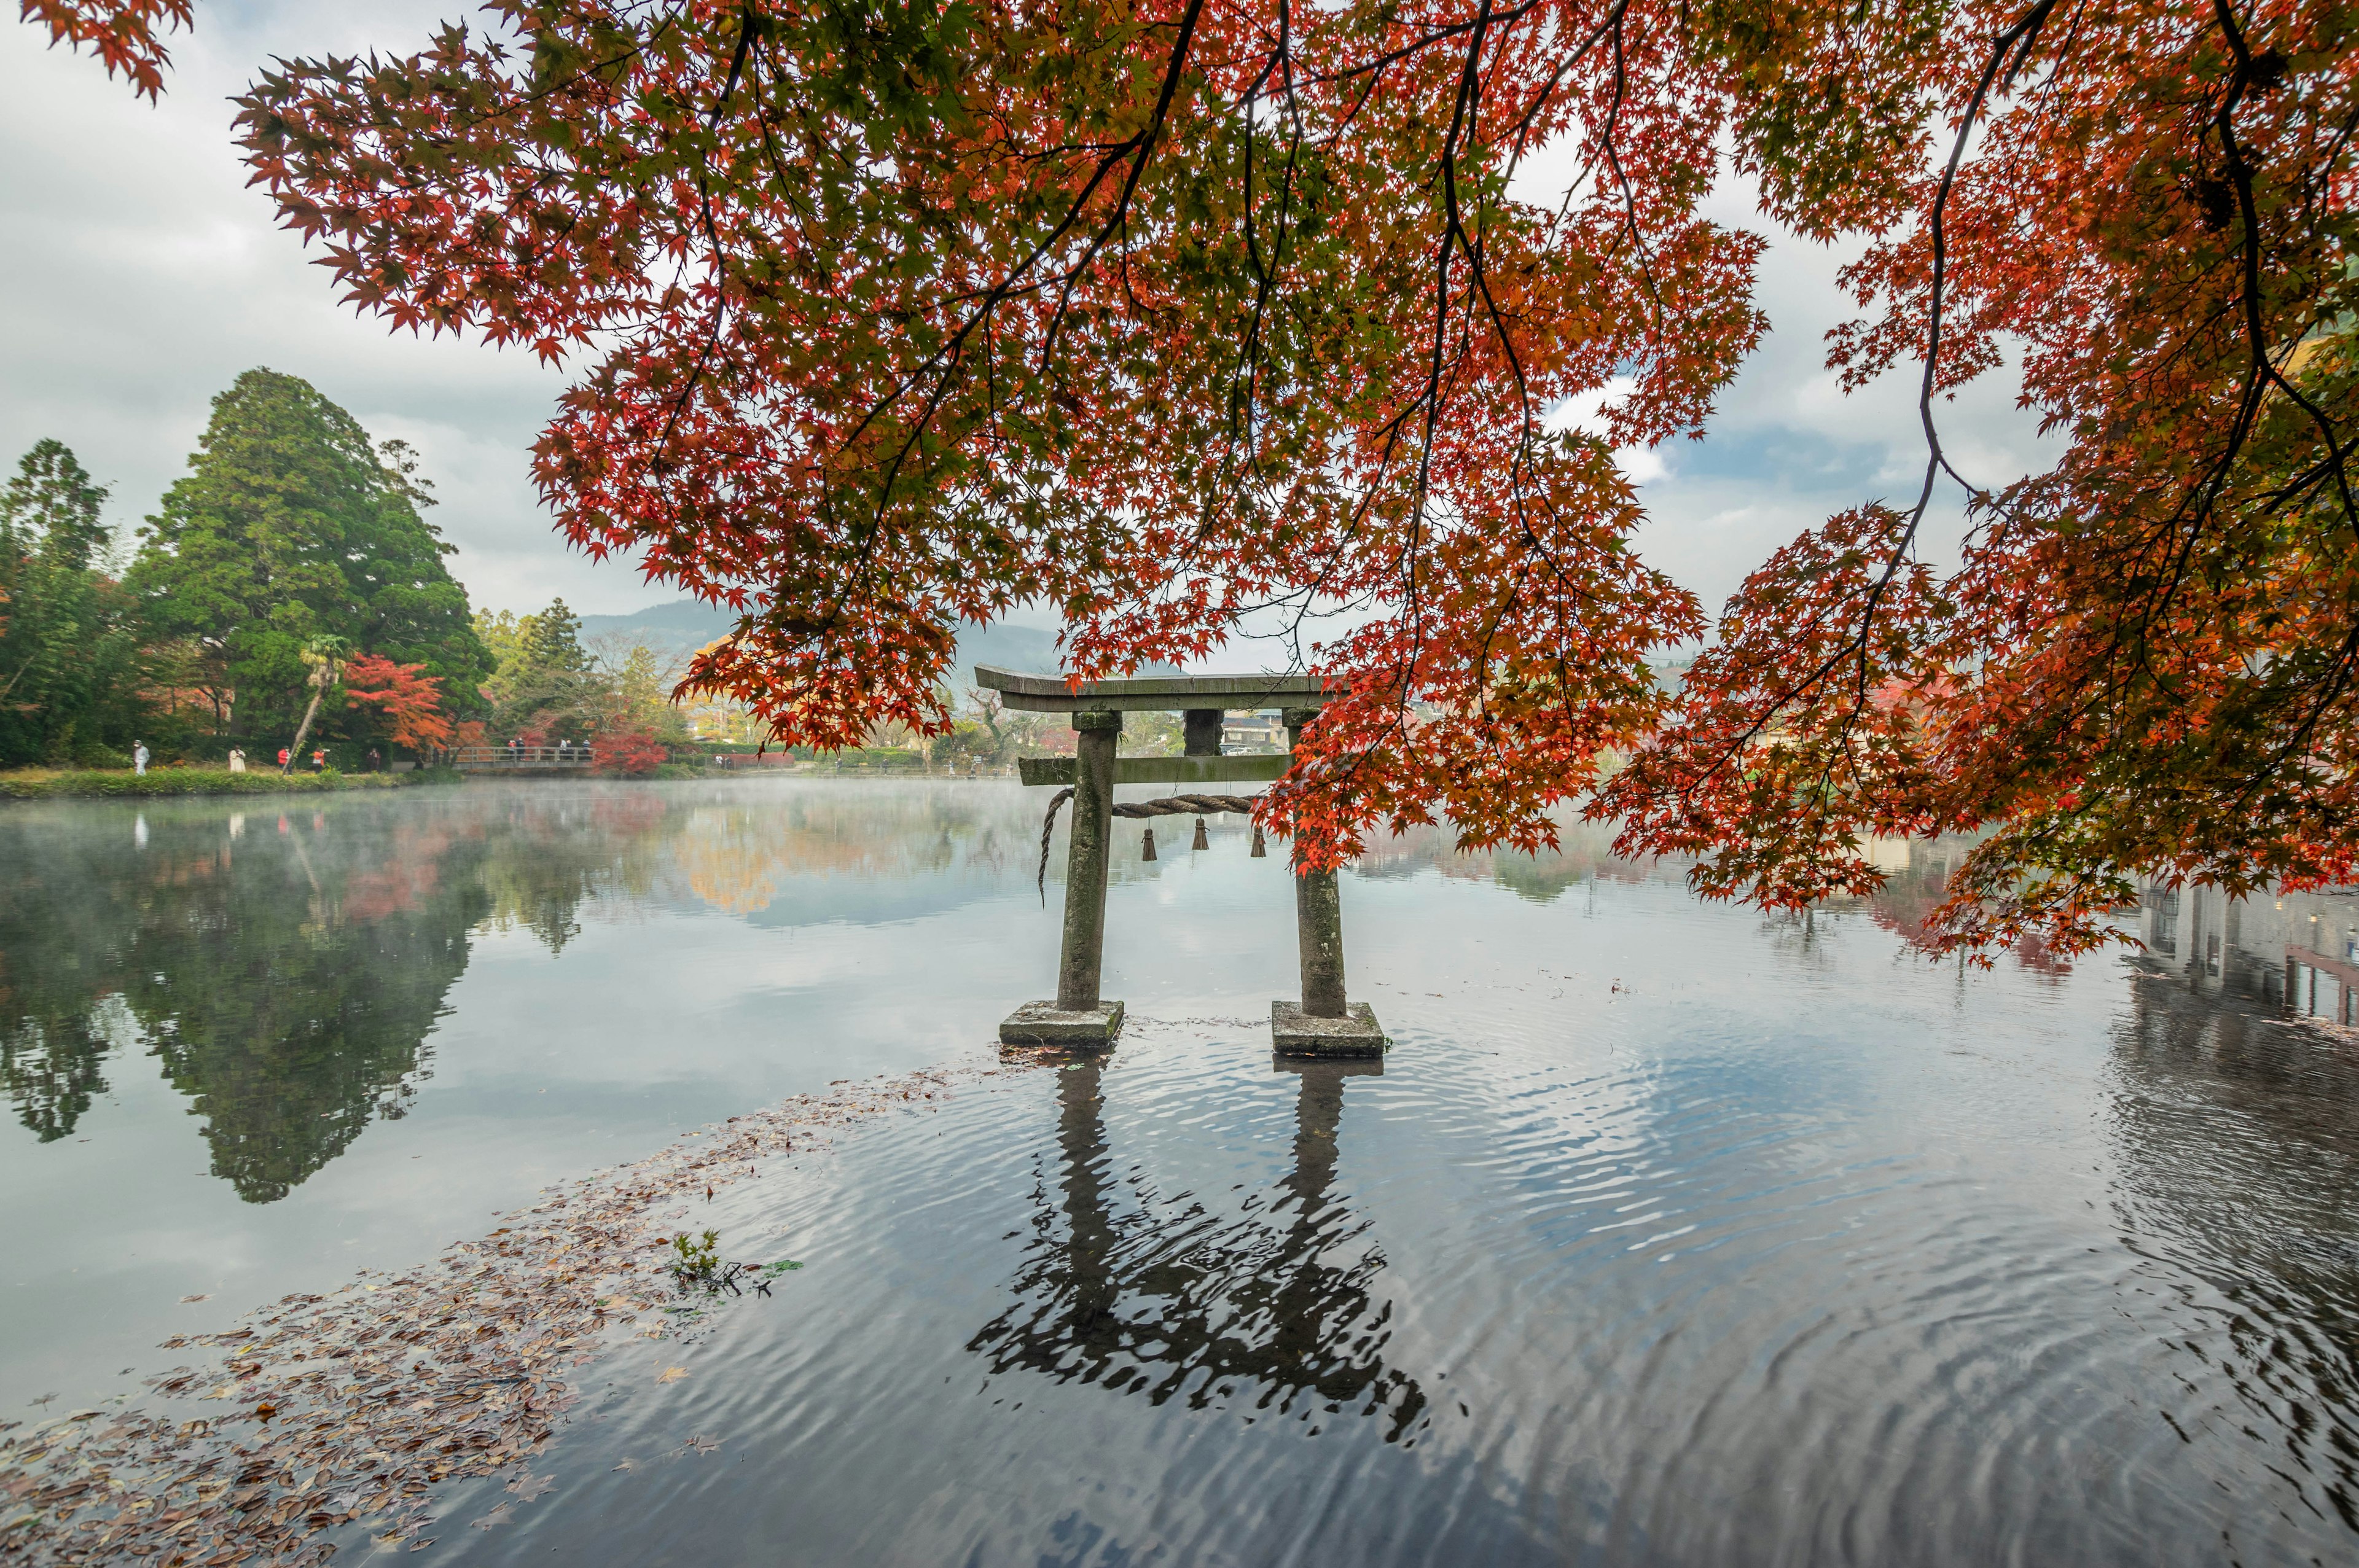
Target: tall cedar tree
{"points": [[1168, 311], [291, 527], [69, 659]]}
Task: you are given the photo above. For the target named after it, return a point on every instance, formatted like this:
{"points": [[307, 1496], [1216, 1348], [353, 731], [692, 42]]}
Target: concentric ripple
{"points": [[1765, 1275]]}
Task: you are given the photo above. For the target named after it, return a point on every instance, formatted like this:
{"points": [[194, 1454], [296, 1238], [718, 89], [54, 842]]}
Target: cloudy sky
{"points": [[138, 277]]}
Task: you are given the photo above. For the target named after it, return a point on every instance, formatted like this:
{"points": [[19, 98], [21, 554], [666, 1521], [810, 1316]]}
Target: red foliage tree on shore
{"points": [[1182, 314], [409, 699], [630, 749]]}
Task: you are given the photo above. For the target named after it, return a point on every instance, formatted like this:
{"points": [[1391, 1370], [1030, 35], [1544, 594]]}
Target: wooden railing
{"points": [[495, 759]]}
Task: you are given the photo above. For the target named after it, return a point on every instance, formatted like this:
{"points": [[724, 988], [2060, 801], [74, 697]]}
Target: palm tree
{"points": [[326, 657]]}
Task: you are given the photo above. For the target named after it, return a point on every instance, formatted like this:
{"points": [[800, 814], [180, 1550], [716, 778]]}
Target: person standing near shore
{"points": [[236, 761], [139, 759]]}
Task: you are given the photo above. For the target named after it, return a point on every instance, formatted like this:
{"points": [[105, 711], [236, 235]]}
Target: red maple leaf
{"points": [[127, 34]]}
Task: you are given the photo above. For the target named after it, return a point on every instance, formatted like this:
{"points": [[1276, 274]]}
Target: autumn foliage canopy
{"points": [[1184, 315]]}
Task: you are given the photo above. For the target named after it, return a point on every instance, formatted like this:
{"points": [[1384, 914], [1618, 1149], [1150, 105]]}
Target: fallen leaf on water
{"points": [[359, 1382], [206, 1297], [498, 1516]]}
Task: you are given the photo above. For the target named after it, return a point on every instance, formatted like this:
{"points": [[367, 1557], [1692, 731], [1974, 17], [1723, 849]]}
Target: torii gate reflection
{"points": [[1215, 1309]]}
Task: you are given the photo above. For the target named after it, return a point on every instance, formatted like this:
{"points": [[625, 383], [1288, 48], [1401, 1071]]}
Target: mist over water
{"points": [[1666, 1233]]}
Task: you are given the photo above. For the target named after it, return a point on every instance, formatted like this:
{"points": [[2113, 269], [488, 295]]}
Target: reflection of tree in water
{"points": [[736, 853], [291, 1020], [286, 973], [1583, 853], [284, 979], [545, 858], [50, 1067], [2239, 1146], [63, 920], [1144, 1306]]}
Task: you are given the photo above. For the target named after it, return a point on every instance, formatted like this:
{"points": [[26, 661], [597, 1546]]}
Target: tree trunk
{"points": [[295, 752]]}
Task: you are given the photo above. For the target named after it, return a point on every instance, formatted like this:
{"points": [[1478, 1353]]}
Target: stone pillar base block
{"points": [[1298, 1034], [1045, 1024]]}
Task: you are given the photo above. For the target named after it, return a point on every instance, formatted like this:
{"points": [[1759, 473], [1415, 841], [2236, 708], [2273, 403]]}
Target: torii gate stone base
{"points": [[1323, 1024]]}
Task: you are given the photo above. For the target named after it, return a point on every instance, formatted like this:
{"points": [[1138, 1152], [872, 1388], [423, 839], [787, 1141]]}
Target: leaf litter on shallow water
{"points": [[350, 1407]]}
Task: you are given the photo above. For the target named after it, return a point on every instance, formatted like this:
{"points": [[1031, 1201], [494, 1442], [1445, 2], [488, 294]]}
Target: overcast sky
{"points": [[141, 276]]}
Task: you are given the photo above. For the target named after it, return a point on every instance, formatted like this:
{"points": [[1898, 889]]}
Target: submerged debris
{"points": [[348, 1406]]}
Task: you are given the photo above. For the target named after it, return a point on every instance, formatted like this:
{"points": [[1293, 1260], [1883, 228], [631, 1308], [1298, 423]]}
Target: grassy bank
{"points": [[50, 784]]}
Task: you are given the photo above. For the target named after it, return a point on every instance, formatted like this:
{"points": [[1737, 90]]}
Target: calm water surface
{"points": [[1666, 1233]]}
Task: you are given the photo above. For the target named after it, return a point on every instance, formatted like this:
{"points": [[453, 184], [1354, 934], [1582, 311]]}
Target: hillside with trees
{"points": [[290, 590]]}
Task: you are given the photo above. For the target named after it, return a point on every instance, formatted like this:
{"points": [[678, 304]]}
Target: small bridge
{"points": [[567, 758], [1323, 1024]]}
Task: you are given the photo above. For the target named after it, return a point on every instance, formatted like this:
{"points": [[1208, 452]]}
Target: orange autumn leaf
{"points": [[126, 35]]}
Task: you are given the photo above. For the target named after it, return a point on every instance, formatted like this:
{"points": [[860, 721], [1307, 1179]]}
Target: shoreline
{"points": [[115, 783], [398, 1381]]}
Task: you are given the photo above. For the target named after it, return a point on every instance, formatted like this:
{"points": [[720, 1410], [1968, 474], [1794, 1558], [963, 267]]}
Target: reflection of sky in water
{"points": [[1667, 1231]]}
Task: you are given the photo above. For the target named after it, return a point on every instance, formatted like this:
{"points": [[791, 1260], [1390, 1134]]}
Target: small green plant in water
{"points": [[697, 1264]]}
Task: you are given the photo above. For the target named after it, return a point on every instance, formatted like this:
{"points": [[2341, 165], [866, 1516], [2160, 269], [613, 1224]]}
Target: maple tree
{"points": [[409, 699], [628, 748], [126, 35], [1179, 314]]}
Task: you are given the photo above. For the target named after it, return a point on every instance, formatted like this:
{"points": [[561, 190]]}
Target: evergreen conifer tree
{"points": [[70, 675], [291, 527]]}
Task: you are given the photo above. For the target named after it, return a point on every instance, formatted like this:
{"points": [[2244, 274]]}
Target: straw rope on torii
{"points": [[1169, 806]]}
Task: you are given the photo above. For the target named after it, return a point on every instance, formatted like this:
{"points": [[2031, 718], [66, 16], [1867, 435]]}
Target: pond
{"points": [[1666, 1233]]}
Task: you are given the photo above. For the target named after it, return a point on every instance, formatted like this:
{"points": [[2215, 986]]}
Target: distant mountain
{"points": [[685, 625]]}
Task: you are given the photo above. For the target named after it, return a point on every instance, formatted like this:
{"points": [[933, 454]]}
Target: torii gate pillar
{"points": [[1080, 1018], [1324, 1024], [1085, 868]]}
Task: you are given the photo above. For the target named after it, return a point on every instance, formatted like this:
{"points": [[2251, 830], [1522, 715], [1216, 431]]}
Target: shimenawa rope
{"points": [[1169, 806]]}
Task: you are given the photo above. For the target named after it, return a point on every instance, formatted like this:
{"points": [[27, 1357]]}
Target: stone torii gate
{"points": [[1324, 1024]]}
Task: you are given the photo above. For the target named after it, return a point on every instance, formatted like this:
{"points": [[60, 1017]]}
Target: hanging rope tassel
{"points": [[1146, 846], [1202, 842], [1259, 853], [1169, 806]]}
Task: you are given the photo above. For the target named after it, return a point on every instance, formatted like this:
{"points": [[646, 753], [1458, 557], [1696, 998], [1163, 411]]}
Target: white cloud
{"points": [[1788, 447], [140, 276]]}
